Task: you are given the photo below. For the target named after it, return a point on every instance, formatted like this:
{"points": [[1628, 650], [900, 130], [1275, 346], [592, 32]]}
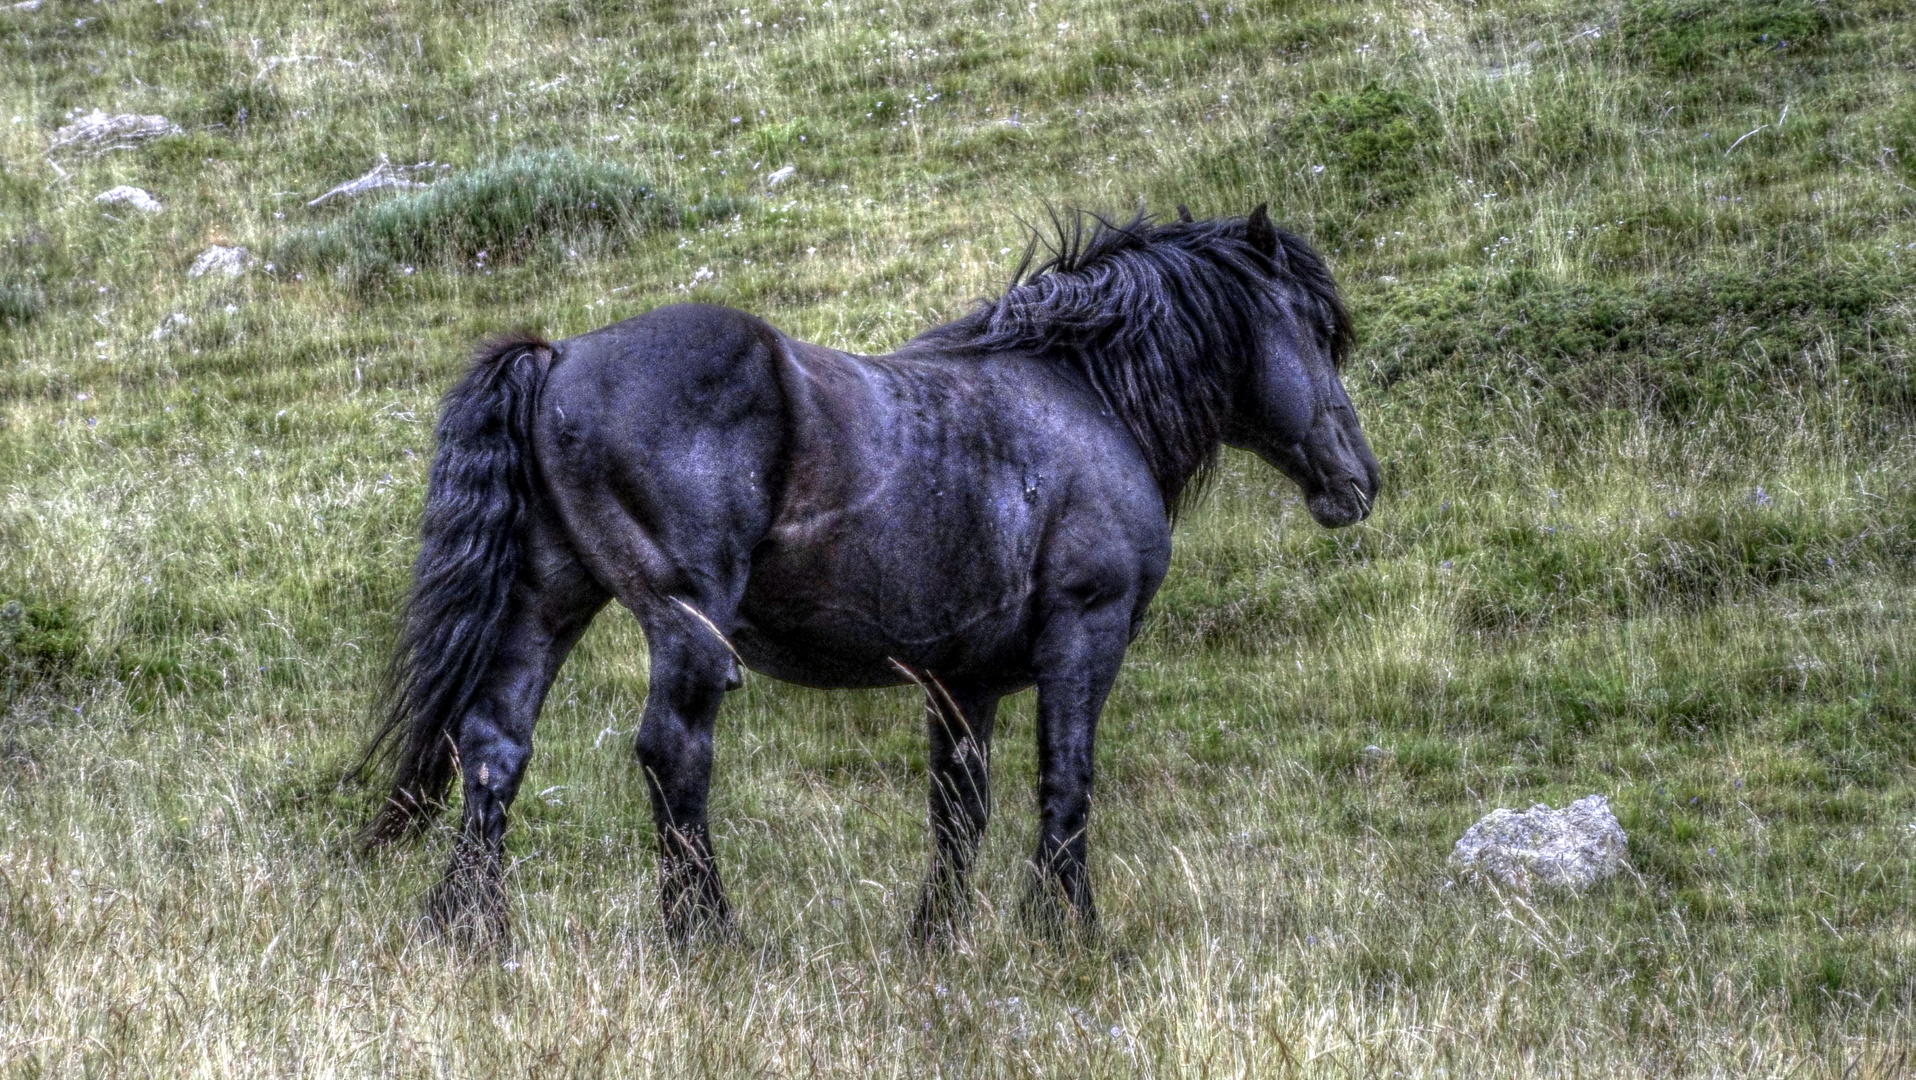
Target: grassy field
{"points": [[1635, 285]]}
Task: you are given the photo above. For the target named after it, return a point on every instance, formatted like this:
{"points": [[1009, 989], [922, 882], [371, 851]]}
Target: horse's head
{"points": [[1290, 407]]}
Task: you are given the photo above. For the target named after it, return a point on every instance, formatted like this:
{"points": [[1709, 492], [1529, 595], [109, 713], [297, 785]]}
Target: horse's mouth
{"points": [[1338, 505]]}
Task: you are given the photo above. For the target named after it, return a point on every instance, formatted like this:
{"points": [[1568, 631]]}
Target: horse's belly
{"points": [[833, 612]]}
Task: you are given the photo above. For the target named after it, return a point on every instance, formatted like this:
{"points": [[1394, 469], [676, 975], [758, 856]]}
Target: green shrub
{"points": [[20, 303], [238, 106], [1522, 578], [192, 150], [1896, 140], [1686, 342], [39, 638], [493, 213], [1371, 140], [1688, 37]]}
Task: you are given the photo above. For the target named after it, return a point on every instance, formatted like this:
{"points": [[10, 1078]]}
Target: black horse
{"points": [[986, 509]]}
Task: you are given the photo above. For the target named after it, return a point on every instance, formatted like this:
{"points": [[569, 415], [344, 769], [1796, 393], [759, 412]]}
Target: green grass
{"points": [[1634, 284]]}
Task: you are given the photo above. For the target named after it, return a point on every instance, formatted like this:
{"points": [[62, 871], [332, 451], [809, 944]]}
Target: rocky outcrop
{"points": [[98, 132]]}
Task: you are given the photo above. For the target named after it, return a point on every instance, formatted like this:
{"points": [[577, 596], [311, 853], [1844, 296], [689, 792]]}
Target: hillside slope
{"points": [[1634, 284]]}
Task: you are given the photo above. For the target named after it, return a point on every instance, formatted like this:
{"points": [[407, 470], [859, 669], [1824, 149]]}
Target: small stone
{"points": [[382, 176], [1571, 849], [779, 176], [137, 198], [230, 261], [98, 132]]}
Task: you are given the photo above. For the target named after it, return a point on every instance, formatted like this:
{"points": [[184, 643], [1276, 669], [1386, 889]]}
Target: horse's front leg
{"points": [[1078, 659], [692, 668], [959, 722]]}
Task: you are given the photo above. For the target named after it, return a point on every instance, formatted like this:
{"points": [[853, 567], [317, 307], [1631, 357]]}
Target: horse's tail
{"points": [[470, 551]]}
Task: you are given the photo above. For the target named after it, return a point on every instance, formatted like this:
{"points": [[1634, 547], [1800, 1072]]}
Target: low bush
{"points": [[39, 638], [237, 106], [1686, 341], [493, 213], [19, 303], [1372, 139], [1522, 578], [1689, 37]]}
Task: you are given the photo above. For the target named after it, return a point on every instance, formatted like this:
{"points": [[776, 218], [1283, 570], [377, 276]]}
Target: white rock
{"points": [[1572, 848], [230, 261], [97, 132], [137, 198], [27, 5], [169, 324], [382, 176], [779, 176]]}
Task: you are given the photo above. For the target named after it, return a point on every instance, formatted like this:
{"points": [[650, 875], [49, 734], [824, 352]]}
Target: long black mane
{"points": [[1160, 318]]}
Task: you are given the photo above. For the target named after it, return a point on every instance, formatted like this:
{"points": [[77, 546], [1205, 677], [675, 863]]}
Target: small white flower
{"points": [[167, 325]]}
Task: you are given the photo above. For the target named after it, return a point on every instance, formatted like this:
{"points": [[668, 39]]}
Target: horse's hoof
{"points": [[699, 930], [689, 922], [1060, 922], [939, 922], [934, 935], [465, 918], [466, 933]]}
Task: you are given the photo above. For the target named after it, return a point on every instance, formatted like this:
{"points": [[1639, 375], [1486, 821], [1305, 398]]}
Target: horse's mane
{"points": [[1159, 318]]}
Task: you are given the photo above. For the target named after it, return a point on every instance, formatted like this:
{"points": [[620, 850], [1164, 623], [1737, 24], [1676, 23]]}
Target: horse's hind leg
{"points": [[959, 721], [692, 668], [682, 574], [553, 601]]}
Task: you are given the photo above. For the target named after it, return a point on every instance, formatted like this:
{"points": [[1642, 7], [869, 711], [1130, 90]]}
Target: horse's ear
{"points": [[1261, 233], [1184, 214]]}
